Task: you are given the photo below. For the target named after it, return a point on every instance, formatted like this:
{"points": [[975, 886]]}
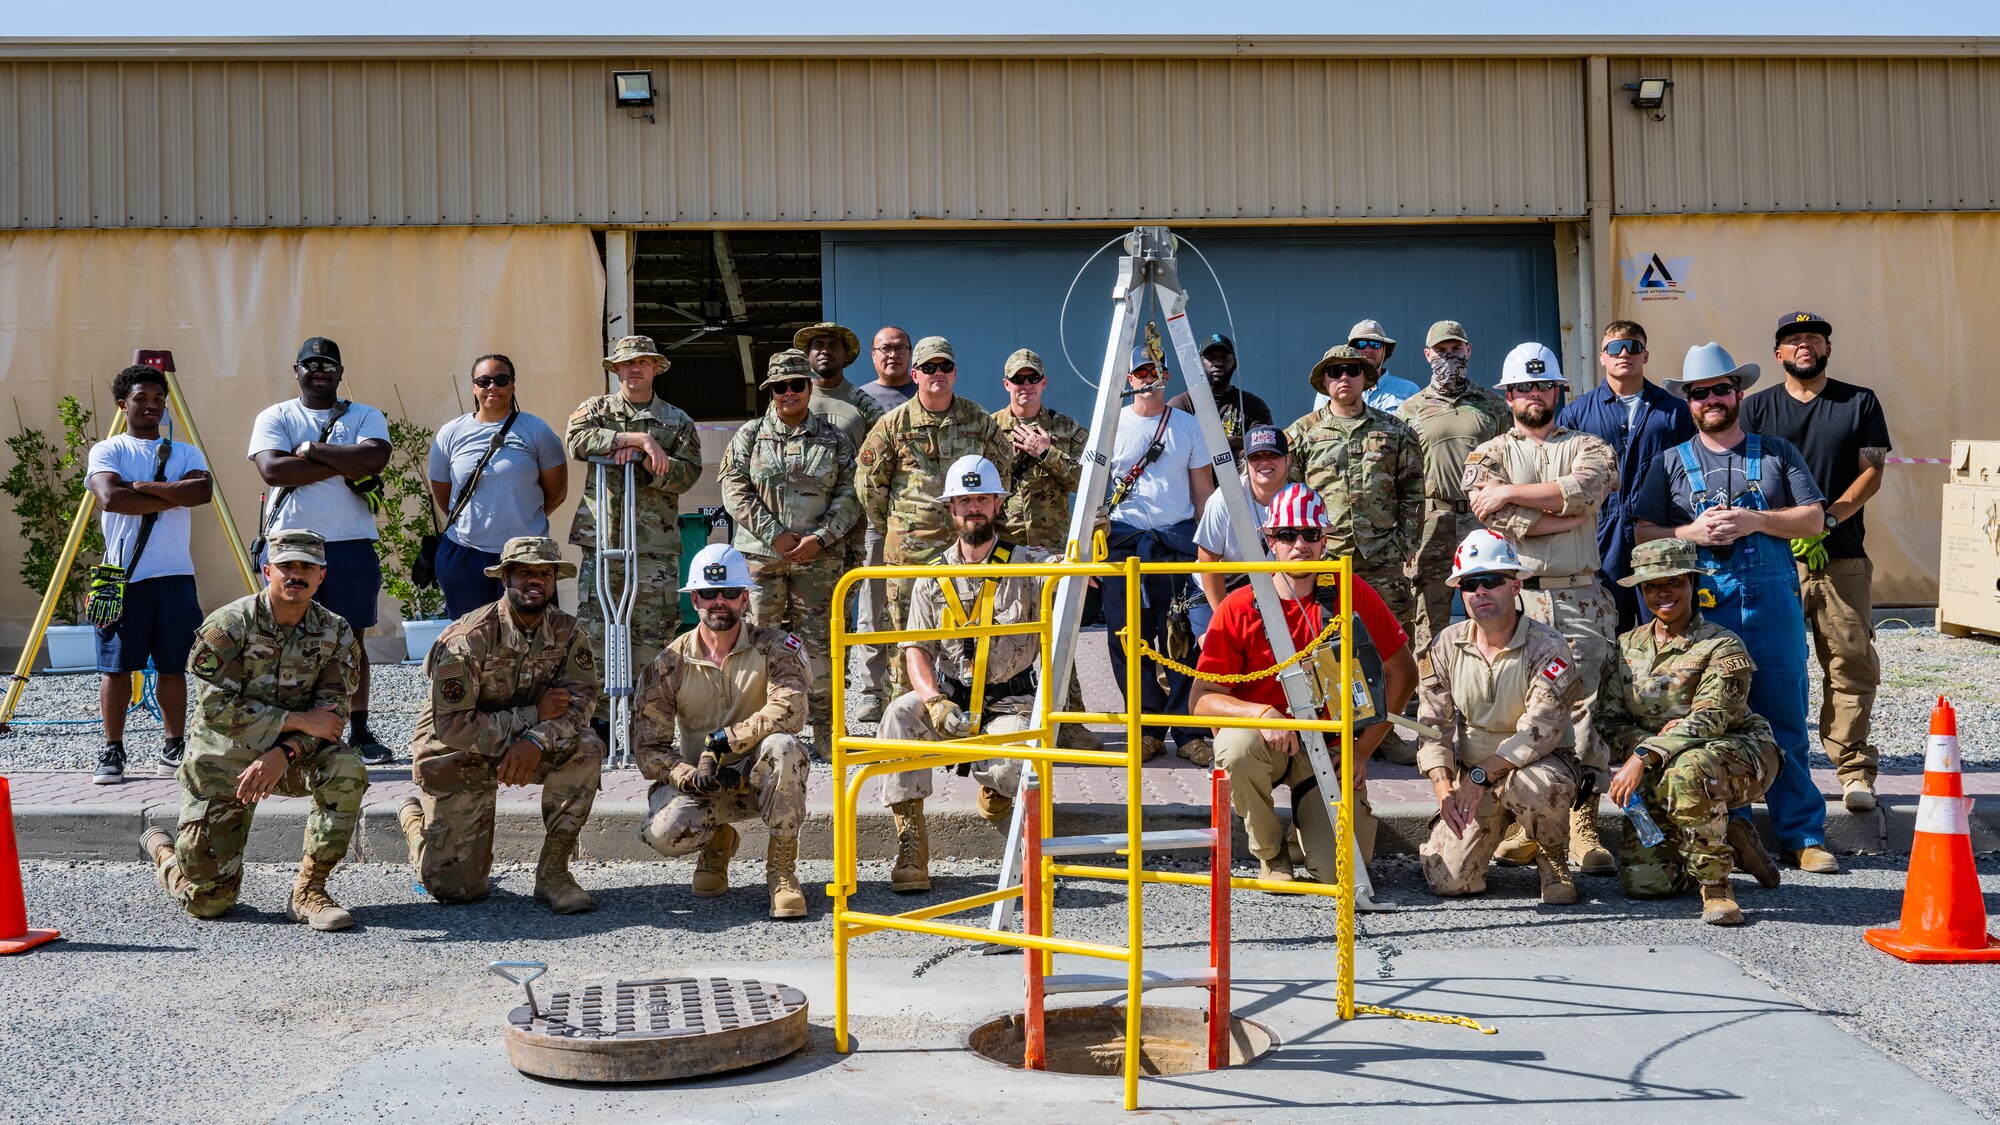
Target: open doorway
{"points": [[719, 304]]}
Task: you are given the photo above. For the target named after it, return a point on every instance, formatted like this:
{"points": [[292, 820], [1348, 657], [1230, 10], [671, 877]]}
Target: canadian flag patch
{"points": [[793, 643], [1553, 671]]}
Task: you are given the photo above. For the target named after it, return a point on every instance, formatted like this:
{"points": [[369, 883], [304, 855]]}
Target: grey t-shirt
{"points": [[1214, 532], [1667, 497], [508, 501], [888, 398], [326, 506]]}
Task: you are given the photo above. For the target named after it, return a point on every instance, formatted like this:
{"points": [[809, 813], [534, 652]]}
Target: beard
{"points": [[976, 531], [719, 617], [528, 602], [1703, 423], [1807, 370], [1533, 415]]}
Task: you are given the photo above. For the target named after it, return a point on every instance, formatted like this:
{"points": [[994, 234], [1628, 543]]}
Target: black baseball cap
{"points": [[319, 347], [1218, 340], [1802, 321], [1266, 439]]}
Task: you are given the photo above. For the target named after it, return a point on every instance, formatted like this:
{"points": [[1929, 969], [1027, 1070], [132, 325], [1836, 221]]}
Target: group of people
{"points": [[1626, 568]]}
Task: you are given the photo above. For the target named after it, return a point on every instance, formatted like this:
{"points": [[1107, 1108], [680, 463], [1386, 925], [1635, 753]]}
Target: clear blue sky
{"points": [[1041, 17]]}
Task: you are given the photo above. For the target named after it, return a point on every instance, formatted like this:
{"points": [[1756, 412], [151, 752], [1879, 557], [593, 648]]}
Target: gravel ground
{"points": [[160, 1017]]}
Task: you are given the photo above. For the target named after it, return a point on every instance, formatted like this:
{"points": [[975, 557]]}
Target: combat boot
{"points": [[1200, 751], [158, 849], [310, 903], [410, 814], [867, 708], [1277, 869], [711, 868], [1751, 858], [912, 869], [1718, 905], [553, 882], [1585, 847], [995, 806], [1151, 746], [781, 878], [1557, 889], [1396, 750], [1517, 848], [1076, 736]]}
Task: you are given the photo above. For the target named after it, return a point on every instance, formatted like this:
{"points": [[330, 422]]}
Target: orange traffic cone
{"points": [[1944, 918], [15, 936]]}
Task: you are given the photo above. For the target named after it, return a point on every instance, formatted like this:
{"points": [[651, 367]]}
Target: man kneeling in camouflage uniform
{"points": [[737, 694], [1677, 699], [274, 675], [512, 688]]}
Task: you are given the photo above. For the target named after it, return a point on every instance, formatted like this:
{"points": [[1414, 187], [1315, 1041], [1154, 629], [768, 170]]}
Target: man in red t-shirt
{"points": [[1257, 760]]}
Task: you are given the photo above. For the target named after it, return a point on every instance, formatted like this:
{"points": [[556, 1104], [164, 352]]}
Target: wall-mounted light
{"points": [[633, 90], [1650, 94]]}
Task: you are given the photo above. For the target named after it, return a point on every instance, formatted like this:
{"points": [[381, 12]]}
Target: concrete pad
{"points": [[1651, 1033]]}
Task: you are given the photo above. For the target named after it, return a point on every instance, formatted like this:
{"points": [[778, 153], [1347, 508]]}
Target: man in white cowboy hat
{"points": [[1540, 486], [943, 701], [1500, 688], [633, 424], [714, 729], [512, 687], [1741, 499]]}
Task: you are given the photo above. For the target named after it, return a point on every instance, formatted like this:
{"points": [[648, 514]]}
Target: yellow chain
{"points": [[1332, 627], [1426, 1017]]}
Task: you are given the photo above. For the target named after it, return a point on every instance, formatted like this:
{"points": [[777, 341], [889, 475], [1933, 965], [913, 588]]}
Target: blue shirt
{"points": [[1661, 422]]}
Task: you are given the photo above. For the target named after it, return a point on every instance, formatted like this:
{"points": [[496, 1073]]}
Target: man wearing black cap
{"points": [[1845, 440], [1239, 408]]}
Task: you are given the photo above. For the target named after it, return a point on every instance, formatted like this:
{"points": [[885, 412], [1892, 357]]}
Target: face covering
{"points": [[1448, 374]]}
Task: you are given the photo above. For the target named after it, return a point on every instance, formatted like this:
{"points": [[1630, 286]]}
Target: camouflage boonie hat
{"points": [[1336, 355], [531, 550], [296, 545], [828, 328], [1445, 330], [1023, 357], [787, 364], [1663, 558], [635, 347], [930, 348]]}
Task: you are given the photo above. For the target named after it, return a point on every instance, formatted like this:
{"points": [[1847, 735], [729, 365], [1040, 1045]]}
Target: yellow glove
{"points": [[1811, 551]]}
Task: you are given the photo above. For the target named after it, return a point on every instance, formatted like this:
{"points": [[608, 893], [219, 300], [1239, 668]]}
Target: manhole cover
{"points": [[649, 1030], [1092, 1040]]}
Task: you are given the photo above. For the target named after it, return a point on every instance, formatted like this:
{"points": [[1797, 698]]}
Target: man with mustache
{"points": [[1239, 409], [513, 684], [1741, 498]]}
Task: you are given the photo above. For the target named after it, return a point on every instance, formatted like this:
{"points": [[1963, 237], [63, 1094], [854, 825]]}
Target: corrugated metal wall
{"points": [[1775, 135], [337, 143]]}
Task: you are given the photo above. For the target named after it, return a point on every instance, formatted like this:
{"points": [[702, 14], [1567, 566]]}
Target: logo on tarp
{"points": [[1654, 278]]}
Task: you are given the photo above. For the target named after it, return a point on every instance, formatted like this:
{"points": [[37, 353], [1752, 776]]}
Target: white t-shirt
{"points": [[134, 460], [1214, 532], [1161, 497], [328, 506]]}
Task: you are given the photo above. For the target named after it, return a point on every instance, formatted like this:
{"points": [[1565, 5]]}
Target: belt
{"points": [[1555, 582], [1460, 506]]}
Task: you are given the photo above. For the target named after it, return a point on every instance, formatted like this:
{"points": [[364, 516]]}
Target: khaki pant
{"points": [[1839, 603], [1539, 795], [905, 718], [1587, 618], [796, 597], [456, 855], [678, 823], [1255, 767]]}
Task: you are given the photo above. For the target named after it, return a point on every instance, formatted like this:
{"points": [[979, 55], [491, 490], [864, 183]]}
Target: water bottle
{"points": [[1642, 822]]}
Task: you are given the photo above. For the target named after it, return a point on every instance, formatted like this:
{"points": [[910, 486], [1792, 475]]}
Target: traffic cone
{"points": [[15, 936], [1944, 917]]}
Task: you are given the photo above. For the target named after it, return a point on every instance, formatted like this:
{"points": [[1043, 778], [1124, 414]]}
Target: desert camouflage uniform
{"points": [[486, 676], [777, 478], [249, 674], [759, 695], [1369, 472], [1517, 707], [593, 427], [1719, 755], [1447, 427]]}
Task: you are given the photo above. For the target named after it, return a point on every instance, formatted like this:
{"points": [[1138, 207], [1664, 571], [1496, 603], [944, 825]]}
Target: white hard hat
{"points": [[1530, 363], [1485, 552], [972, 475], [718, 566]]}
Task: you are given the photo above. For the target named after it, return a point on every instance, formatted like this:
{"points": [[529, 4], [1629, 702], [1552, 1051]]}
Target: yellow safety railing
{"points": [[857, 759]]}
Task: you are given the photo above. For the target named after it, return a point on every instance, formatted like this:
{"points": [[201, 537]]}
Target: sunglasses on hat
{"points": [[1623, 347], [937, 366], [1290, 535], [791, 386], [1702, 394], [1482, 582], [485, 381], [727, 594], [1026, 377]]}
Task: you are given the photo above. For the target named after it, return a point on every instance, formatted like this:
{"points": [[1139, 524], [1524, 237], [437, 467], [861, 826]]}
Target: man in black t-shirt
{"points": [[1840, 430], [1239, 408]]}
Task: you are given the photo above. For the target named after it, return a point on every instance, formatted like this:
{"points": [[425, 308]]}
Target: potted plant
{"points": [[47, 484], [402, 523]]}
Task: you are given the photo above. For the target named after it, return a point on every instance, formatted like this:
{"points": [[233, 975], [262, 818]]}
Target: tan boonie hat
{"points": [[1338, 354], [1023, 357], [1446, 330], [828, 328], [930, 348], [296, 545], [531, 550], [1663, 558], [787, 364], [1370, 330], [635, 347]]}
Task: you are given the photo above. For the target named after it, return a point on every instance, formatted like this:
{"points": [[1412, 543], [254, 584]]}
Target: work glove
{"points": [[947, 718], [708, 774], [1811, 551], [369, 488], [107, 595]]}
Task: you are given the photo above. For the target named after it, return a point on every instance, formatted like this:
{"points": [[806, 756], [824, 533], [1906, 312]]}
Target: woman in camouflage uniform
{"points": [[1677, 701]]}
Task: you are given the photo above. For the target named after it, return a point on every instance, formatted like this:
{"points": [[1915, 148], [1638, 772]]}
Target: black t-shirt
{"points": [[1830, 432], [1239, 408]]}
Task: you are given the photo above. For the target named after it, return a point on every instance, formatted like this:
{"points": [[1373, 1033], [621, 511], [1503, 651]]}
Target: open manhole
{"points": [[1092, 1040], [651, 1030]]}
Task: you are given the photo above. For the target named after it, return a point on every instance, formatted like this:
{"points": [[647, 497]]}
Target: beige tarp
{"points": [[1915, 305], [409, 307]]}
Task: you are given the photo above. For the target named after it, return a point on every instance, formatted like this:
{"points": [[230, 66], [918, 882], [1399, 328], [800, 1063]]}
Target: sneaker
{"points": [[373, 753], [110, 766], [172, 752]]}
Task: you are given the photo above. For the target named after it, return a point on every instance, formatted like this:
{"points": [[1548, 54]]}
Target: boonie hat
{"points": [[1445, 330], [1802, 321], [1336, 355], [1024, 357], [718, 566], [1711, 361], [1663, 558], [1265, 439], [1485, 552], [1218, 340], [1531, 363], [847, 337], [971, 475], [930, 348], [296, 545], [1296, 505], [319, 347], [531, 550], [1371, 330], [635, 347], [787, 364]]}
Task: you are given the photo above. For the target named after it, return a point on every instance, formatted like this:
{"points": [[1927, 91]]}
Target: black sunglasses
{"points": [[1025, 378], [1702, 394], [1482, 582], [485, 381], [937, 366], [1290, 535], [1623, 347], [791, 386], [726, 594], [1346, 371]]}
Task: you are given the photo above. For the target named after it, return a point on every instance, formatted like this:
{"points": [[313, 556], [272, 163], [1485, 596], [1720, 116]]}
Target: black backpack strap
{"points": [[147, 521]]}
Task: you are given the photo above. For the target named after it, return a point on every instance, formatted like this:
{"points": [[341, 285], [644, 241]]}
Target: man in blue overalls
{"points": [[1741, 498]]}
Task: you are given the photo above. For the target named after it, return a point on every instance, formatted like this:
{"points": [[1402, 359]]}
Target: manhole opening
{"points": [[1092, 1040]]}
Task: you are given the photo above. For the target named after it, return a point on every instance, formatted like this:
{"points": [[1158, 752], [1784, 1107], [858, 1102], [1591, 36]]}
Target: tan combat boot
{"points": [[1585, 847], [553, 882], [1557, 889], [1718, 905], [1276, 869], [781, 878], [711, 868], [1076, 736], [912, 870], [410, 814], [996, 807], [1517, 848], [1858, 794], [158, 849], [311, 904], [1751, 858]]}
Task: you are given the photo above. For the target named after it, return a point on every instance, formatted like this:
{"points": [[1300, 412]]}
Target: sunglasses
{"points": [[791, 386], [1702, 394], [1482, 582], [1533, 388], [320, 365], [1623, 347], [1345, 371], [485, 381], [1025, 378], [1290, 535], [1367, 345], [937, 367], [727, 594]]}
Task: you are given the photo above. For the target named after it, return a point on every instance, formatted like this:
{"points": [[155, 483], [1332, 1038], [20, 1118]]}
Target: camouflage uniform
{"points": [[1517, 707], [758, 695], [1447, 428], [250, 673], [854, 414], [1719, 754], [1369, 473], [593, 426], [1038, 510], [486, 676]]}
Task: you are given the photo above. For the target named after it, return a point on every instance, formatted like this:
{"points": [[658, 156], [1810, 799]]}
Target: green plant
{"points": [[405, 519], [47, 484]]}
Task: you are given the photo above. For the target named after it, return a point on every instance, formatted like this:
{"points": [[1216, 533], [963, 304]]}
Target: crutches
{"points": [[619, 548]]}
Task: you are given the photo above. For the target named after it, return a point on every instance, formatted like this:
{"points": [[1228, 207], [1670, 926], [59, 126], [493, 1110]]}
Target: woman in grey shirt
{"points": [[525, 480]]}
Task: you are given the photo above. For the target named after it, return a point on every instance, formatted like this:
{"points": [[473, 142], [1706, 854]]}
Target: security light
{"points": [[632, 89], [1649, 93]]}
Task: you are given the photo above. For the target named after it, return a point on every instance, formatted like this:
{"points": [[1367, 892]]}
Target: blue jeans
{"points": [[461, 574], [1172, 544]]}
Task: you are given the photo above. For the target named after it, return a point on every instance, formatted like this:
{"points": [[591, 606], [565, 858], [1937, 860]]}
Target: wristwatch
{"points": [[1477, 776], [1831, 520], [303, 450]]}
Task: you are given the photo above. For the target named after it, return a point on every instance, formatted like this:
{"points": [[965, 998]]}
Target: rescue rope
{"points": [[1426, 1017], [1148, 651]]}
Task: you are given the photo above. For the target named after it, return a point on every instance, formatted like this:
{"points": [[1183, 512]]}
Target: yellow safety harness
{"points": [[957, 617]]}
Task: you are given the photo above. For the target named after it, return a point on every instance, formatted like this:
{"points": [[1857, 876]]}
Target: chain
{"points": [[1426, 1017], [1332, 628]]}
